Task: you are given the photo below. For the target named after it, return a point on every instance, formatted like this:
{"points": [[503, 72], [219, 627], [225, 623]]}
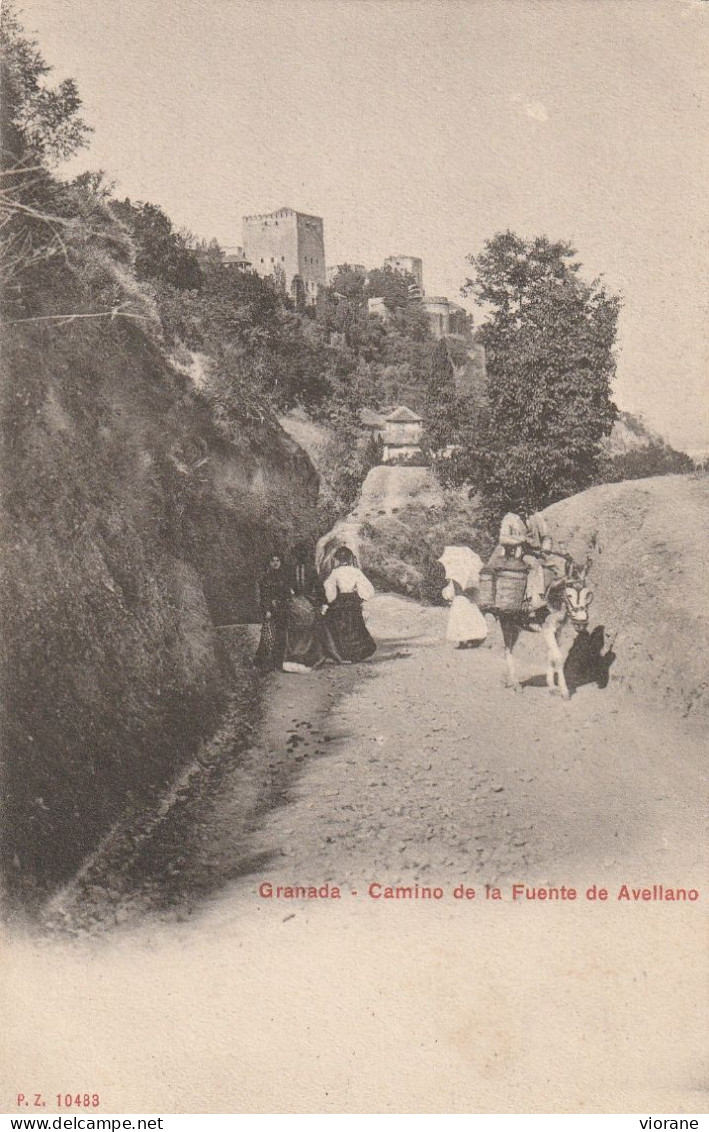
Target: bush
{"points": [[653, 459], [402, 551], [411, 460]]}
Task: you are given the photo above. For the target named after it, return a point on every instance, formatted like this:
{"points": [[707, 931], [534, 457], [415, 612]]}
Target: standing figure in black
{"points": [[274, 593], [305, 642]]}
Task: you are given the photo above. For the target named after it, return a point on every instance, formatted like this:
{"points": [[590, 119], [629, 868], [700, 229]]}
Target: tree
{"points": [[161, 253], [349, 282], [210, 256], [40, 123], [391, 286], [549, 344], [39, 126], [297, 288], [441, 412], [402, 299]]}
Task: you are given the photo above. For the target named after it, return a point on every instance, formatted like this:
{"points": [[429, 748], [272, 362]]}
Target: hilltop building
{"points": [[289, 245], [235, 259], [446, 317], [407, 265]]}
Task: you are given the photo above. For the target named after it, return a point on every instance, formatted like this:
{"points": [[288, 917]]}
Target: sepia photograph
{"points": [[355, 515]]}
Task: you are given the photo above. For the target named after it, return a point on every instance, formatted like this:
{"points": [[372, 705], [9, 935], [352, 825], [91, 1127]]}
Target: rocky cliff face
{"points": [[137, 515]]}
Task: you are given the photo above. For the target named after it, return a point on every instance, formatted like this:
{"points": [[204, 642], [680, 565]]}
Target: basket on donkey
{"points": [[503, 588]]}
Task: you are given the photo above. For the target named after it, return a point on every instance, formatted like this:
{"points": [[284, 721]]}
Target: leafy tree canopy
{"points": [[162, 253], [391, 286], [40, 122], [549, 340], [441, 407], [350, 283]]}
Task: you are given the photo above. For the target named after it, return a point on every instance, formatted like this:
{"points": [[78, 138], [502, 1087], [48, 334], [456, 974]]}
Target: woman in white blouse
{"points": [[346, 588]]}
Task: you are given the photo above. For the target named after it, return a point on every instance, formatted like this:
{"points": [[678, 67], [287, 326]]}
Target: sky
{"points": [[423, 127]]}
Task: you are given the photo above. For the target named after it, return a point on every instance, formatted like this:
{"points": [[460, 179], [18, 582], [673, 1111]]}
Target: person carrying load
{"points": [[524, 540], [537, 545]]}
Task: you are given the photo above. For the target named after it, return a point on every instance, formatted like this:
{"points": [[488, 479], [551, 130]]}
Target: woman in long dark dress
{"points": [[346, 588], [274, 593], [304, 630]]}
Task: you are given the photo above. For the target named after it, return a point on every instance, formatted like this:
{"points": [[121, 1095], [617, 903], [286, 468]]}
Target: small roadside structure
{"points": [[402, 433], [399, 430]]}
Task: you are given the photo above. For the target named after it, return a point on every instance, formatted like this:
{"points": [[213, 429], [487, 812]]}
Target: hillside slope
{"points": [[647, 541], [399, 526], [388, 488], [137, 512]]}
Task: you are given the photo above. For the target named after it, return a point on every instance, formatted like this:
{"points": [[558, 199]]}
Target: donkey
{"points": [[566, 597]]}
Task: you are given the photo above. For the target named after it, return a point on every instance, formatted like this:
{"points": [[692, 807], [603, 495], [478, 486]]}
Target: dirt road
{"points": [[415, 768], [418, 767], [437, 773]]}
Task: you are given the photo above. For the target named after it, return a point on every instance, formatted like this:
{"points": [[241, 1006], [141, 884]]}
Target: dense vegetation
{"points": [[634, 452], [146, 475], [549, 339], [137, 506], [331, 361]]}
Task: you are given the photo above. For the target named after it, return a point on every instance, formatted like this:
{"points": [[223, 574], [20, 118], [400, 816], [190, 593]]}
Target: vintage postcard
{"points": [[355, 626]]}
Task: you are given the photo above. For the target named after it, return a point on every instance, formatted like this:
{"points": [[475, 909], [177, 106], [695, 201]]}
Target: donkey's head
{"points": [[576, 595]]}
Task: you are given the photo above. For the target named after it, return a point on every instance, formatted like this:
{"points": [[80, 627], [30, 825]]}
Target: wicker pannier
{"points": [[503, 588], [510, 586]]}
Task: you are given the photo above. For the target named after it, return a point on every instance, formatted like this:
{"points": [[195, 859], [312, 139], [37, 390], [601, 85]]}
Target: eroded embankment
{"points": [[646, 541], [136, 515]]}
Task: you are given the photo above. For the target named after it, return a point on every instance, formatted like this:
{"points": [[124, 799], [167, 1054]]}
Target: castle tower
{"points": [[407, 265], [290, 243]]}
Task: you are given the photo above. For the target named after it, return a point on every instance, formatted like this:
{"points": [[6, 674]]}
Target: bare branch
{"points": [[64, 319]]}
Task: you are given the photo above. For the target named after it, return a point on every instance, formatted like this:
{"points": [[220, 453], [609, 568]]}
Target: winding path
{"points": [[416, 768]]}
